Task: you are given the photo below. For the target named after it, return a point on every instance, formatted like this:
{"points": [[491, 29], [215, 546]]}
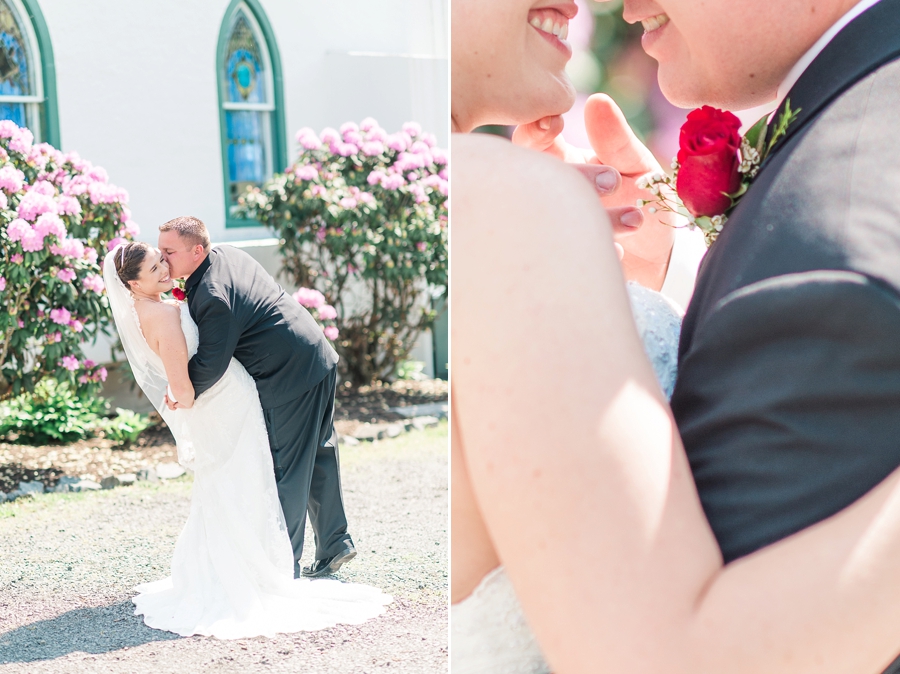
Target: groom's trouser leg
{"points": [[307, 469], [326, 496]]}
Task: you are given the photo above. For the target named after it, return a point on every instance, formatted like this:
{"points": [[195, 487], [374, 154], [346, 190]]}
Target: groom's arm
{"points": [[218, 339], [788, 403]]}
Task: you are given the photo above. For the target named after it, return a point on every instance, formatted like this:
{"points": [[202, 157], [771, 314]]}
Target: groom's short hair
{"points": [[190, 228]]}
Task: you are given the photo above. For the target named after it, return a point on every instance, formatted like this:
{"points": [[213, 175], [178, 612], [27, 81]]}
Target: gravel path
{"points": [[68, 563]]}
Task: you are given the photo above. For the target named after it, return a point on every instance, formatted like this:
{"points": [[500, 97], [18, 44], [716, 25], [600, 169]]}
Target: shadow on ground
{"points": [[103, 629]]}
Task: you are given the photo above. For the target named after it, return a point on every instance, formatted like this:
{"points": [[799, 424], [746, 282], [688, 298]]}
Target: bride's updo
{"points": [[129, 259]]}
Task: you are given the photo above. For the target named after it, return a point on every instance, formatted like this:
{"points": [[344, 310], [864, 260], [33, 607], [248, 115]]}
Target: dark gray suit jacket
{"points": [[242, 313], [788, 394]]}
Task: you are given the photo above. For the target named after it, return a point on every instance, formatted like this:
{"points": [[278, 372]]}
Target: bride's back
{"points": [[158, 321]]}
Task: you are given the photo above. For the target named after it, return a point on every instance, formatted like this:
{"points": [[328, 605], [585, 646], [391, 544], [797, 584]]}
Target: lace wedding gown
{"points": [[233, 568], [489, 633]]}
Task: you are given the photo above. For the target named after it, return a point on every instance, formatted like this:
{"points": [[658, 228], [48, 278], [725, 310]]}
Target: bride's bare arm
{"points": [[161, 324], [578, 471]]}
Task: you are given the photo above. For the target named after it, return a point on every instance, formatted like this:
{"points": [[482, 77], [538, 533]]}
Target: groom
{"points": [[788, 393], [242, 313]]}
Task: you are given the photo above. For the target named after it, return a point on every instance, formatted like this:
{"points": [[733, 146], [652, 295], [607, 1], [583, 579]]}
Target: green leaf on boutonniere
{"points": [[740, 191], [756, 135], [782, 123]]}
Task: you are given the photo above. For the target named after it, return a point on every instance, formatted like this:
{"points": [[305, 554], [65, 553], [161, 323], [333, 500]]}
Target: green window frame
{"points": [[277, 159], [44, 122]]}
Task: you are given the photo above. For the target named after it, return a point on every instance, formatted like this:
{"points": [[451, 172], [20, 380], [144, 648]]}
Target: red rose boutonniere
{"points": [[714, 167], [178, 293]]}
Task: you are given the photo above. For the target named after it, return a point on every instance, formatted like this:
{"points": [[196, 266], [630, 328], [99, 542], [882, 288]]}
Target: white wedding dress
{"points": [[489, 632], [232, 573]]}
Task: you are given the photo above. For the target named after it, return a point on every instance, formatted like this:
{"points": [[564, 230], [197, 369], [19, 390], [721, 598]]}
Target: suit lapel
{"points": [[194, 278], [865, 44]]}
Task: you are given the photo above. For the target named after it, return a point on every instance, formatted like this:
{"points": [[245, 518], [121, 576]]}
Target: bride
{"points": [[233, 569], [578, 540]]}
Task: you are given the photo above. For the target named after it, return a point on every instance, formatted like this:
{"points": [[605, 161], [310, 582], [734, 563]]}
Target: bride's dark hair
{"points": [[129, 259]]}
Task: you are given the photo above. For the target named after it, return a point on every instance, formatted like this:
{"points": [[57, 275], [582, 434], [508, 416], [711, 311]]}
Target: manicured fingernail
{"points": [[544, 123], [606, 180], [632, 218]]}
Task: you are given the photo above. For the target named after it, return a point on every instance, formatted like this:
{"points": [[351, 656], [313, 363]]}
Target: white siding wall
{"points": [[137, 87]]}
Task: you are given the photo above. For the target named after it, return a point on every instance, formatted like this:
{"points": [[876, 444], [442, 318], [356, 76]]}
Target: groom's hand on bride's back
{"points": [[648, 245]]}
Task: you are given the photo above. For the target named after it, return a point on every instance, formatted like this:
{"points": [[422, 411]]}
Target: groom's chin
{"points": [[685, 92]]}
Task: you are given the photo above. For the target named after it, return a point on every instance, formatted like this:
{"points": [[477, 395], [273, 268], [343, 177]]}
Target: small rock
{"points": [[369, 432], [393, 430], [109, 482], [421, 423], [35, 487], [65, 484], [431, 409], [169, 471], [149, 474], [349, 440], [17, 495], [2, 497], [85, 485], [126, 479]]}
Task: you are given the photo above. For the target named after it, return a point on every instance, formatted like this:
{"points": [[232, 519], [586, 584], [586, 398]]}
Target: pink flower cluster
{"points": [[310, 298], [103, 193], [34, 203], [307, 172], [66, 275], [60, 316], [63, 316], [11, 179], [93, 282], [20, 139], [308, 139], [72, 248], [98, 375]]}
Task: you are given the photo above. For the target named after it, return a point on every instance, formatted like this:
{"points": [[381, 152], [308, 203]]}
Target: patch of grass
{"points": [[43, 502], [423, 444], [412, 445]]}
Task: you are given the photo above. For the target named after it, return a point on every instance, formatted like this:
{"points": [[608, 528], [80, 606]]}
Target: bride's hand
{"points": [[613, 143]]}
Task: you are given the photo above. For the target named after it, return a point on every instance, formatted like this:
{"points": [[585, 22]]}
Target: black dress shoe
{"points": [[329, 565]]}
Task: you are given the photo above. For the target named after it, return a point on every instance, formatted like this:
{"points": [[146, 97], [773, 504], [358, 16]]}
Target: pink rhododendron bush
{"points": [[362, 215], [58, 215]]}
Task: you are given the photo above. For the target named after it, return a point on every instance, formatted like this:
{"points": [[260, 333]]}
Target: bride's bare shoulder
{"points": [[158, 317], [490, 172]]}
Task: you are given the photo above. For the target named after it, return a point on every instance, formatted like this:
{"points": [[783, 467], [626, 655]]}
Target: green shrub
{"points": [[362, 217], [411, 369], [58, 217], [125, 427], [52, 413]]}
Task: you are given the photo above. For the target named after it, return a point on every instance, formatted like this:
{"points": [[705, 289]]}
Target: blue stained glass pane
{"points": [[246, 150], [15, 72], [14, 112], [245, 79]]}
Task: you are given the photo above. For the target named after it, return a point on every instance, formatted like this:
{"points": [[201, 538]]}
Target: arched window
{"points": [[27, 79], [251, 116]]}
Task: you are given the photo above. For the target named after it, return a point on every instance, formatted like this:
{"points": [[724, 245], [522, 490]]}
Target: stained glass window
{"points": [[248, 105], [20, 99]]}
